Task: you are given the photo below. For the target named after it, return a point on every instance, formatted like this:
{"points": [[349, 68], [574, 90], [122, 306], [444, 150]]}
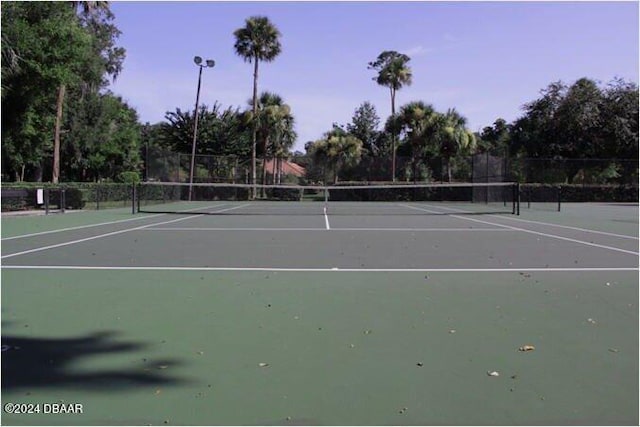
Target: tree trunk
{"points": [[273, 171], [254, 131], [56, 136], [279, 170], [264, 165], [264, 174], [393, 137]]}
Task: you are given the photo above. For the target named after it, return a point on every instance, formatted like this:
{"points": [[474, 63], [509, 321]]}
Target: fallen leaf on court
{"points": [[420, 364], [158, 391], [590, 320], [493, 373], [614, 350], [201, 353], [351, 345], [163, 366], [452, 331], [367, 332], [527, 348], [263, 365]]}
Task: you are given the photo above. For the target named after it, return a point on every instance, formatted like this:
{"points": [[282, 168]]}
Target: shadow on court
{"points": [[41, 363]]}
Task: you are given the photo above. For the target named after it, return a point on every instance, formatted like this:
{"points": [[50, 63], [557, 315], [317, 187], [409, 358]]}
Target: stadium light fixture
{"points": [[209, 63]]}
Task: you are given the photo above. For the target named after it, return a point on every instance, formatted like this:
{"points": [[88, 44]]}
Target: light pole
{"points": [[209, 63]]}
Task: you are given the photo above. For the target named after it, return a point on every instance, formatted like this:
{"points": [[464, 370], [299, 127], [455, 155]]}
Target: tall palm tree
{"points": [[453, 137], [420, 124], [257, 41], [394, 73], [336, 151], [273, 123]]}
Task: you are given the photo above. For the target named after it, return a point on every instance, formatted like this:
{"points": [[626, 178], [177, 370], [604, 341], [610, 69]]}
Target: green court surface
{"points": [[323, 320]]}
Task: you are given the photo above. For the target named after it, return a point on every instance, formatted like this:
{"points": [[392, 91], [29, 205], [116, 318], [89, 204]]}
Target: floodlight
{"points": [[197, 60], [211, 63]]}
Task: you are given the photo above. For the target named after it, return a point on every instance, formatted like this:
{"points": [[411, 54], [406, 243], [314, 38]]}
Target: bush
{"points": [[129, 177]]}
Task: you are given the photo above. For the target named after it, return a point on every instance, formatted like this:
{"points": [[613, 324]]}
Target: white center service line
{"points": [[326, 219], [553, 236]]}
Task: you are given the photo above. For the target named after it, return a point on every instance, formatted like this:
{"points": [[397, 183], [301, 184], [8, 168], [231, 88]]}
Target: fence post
{"points": [[46, 201], [559, 196], [133, 198]]}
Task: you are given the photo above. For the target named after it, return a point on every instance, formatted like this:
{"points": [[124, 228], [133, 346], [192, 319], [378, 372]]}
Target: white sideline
{"points": [[113, 233], [622, 236], [553, 236], [99, 224], [78, 227], [549, 224]]}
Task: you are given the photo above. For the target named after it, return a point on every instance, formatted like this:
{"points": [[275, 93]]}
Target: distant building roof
{"points": [[287, 168]]}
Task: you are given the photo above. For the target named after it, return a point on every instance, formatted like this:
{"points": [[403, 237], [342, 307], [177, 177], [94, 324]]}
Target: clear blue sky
{"points": [[486, 59]]}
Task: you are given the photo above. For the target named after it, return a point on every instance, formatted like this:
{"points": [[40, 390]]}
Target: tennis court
{"points": [[289, 312]]}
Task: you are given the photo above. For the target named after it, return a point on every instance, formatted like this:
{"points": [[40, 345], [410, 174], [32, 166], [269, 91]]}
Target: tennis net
{"points": [[388, 199]]}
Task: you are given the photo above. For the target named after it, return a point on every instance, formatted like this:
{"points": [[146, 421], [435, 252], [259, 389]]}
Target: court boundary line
{"points": [[113, 233], [573, 228], [588, 230], [22, 236], [94, 225], [553, 236], [319, 269]]}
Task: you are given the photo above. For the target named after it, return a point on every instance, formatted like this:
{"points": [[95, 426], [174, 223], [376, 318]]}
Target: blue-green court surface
{"points": [[321, 320]]}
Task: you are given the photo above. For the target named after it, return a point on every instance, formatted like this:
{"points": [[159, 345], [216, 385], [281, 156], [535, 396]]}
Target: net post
{"points": [[559, 196], [63, 201], [97, 196], [516, 198]]}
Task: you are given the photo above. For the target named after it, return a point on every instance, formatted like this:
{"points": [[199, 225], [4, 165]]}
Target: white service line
{"points": [[333, 269], [79, 227], [113, 233], [553, 236], [324, 229]]}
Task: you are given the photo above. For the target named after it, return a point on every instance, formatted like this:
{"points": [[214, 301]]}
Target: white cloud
{"points": [[418, 51]]}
